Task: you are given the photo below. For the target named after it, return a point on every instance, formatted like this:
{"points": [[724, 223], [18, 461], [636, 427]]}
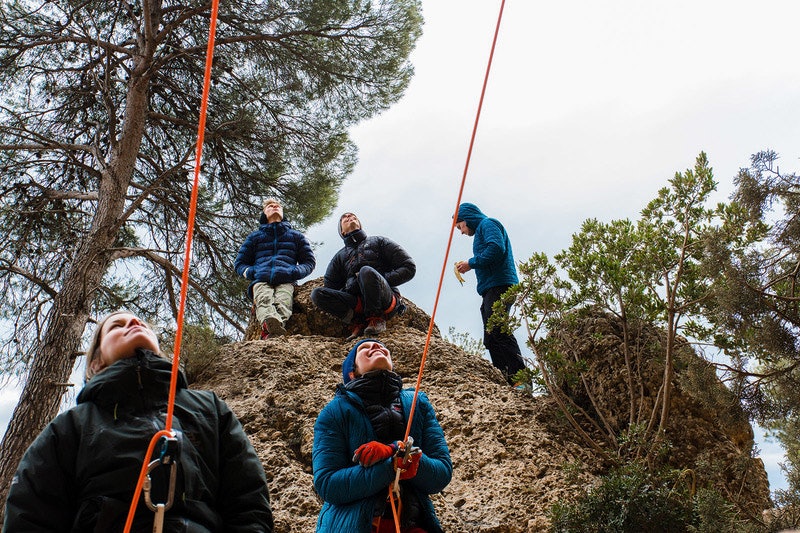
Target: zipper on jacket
{"points": [[274, 255]]}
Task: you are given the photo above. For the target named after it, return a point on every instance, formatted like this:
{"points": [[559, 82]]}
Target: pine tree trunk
{"points": [[52, 365], [54, 358]]}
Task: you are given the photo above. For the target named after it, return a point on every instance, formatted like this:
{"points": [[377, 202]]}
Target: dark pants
{"points": [[503, 347], [375, 297]]}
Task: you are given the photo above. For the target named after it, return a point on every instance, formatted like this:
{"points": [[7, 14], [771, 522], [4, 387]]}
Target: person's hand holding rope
{"points": [[407, 462], [373, 452]]}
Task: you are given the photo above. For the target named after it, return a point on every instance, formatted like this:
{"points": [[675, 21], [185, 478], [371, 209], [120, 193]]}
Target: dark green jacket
{"points": [[80, 472]]}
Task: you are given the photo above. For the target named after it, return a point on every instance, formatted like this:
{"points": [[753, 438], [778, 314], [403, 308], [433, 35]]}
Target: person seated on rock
{"points": [[274, 257], [357, 445], [81, 472], [360, 284]]}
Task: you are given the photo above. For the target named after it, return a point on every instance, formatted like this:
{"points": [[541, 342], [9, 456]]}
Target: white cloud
{"points": [[9, 396], [590, 108]]}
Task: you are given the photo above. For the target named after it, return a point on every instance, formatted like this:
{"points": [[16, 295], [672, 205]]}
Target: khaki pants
{"points": [[273, 301]]}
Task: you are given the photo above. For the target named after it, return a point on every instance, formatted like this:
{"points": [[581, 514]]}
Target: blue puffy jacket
{"points": [[493, 260], [349, 490], [276, 254]]}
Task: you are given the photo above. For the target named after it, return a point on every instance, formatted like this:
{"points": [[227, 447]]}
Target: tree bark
{"points": [[54, 358]]}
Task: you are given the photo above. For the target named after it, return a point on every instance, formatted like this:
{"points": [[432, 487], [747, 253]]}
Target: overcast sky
{"points": [[591, 107]]}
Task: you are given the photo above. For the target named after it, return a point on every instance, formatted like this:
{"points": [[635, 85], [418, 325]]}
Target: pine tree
{"points": [[98, 119]]}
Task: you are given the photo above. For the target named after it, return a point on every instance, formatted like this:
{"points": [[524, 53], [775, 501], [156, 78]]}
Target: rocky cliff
{"points": [[513, 455]]}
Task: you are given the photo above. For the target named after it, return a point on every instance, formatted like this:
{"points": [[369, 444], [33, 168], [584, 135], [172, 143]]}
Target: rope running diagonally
{"points": [[167, 432], [394, 488]]}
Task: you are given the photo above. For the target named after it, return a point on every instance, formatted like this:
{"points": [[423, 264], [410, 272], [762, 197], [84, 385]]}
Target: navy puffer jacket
{"points": [[81, 471], [380, 253], [276, 254]]}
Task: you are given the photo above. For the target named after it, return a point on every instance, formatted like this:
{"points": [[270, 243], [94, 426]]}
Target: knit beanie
{"points": [[349, 363]]}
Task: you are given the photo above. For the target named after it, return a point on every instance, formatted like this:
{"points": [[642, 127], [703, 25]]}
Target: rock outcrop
{"points": [[514, 456], [709, 432]]}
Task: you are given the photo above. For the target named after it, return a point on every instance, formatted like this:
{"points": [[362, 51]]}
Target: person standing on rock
{"points": [[81, 472], [274, 257], [493, 262], [360, 286], [358, 447]]}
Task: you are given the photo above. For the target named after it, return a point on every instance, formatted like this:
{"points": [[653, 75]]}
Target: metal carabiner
{"points": [[170, 449], [148, 485], [405, 451]]}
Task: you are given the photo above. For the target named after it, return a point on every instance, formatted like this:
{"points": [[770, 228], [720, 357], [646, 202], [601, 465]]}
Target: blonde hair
{"points": [[271, 201], [93, 349]]}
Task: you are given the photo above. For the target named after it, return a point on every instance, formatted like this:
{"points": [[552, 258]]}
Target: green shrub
{"points": [[466, 342], [629, 499], [199, 348]]}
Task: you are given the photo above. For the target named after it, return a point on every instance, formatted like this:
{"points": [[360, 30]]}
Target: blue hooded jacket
{"points": [[349, 490], [493, 260], [276, 254]]}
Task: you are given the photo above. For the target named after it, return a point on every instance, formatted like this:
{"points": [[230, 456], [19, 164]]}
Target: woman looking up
{"points": [[81, 471]]}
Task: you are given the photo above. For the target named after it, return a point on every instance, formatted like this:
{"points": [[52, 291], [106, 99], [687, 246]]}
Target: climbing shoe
{"points": [[356, 329], [275, 327]]}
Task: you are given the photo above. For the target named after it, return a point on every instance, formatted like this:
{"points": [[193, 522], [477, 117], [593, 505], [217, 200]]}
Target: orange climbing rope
{"points": [[395, 486], [167, 432]]}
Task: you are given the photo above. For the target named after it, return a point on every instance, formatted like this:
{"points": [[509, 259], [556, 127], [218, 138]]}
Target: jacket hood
{"points": [[140, 381], [470, 214]]}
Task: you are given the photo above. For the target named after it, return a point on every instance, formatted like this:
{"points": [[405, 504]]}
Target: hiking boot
{"points": [[356, 329], [275, 327], [400, 308], [376, 326]]}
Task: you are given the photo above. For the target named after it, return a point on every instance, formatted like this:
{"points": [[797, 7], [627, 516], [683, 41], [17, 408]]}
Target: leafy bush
{"points": [[199, 348], [714, 514], [629, 499], [466, 342]]}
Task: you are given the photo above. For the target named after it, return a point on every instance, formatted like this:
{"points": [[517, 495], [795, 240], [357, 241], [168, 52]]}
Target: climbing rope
{"points": [[167, 433], [394, 489]]}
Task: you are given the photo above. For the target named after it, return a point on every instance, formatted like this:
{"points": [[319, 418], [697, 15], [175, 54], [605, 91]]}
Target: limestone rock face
{"points": [[308, 319], [514, 456]]}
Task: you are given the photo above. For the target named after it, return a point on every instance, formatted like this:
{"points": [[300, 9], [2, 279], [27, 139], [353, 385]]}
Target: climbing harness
{"points": [[405, 451], [394, 488], [167, 432]]}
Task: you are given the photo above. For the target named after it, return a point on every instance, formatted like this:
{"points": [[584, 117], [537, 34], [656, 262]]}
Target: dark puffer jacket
{"points": [[382, 254], [81, 471], [276, 254]]}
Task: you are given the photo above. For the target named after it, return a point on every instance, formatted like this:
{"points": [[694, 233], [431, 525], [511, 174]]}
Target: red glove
{"points": [[373, 452], [408, 465]]}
